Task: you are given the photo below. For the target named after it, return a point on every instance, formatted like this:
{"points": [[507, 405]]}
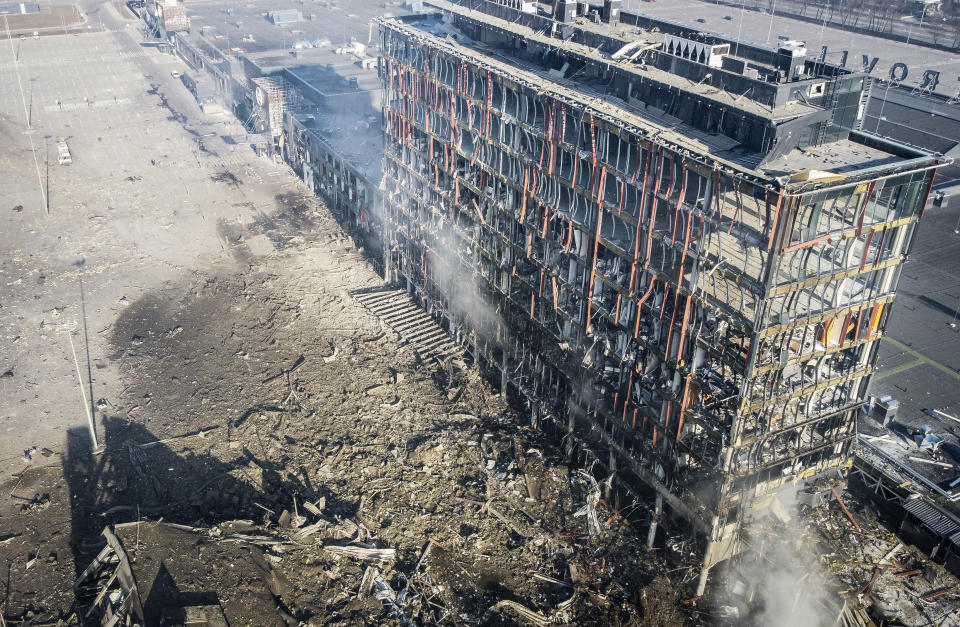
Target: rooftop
{"points": [[343, 97], [246, 27], [344, 113], [839, 157], [713, 17], [846, 156]]}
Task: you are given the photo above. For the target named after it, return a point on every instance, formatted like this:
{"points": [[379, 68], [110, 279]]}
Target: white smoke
{"points": [[779, 579]]}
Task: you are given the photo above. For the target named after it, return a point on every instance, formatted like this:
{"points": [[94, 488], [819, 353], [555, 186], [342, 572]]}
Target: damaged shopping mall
{"points": [[681, 251], [478, 312]]}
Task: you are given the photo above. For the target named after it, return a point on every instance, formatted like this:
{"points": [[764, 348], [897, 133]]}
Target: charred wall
{"points": [[712, 329]]}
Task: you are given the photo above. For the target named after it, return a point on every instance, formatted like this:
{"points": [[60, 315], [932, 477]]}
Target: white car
{"points": [[175, 74], [36, 34]]}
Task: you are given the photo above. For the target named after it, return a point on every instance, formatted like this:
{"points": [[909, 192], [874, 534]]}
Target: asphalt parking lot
{"points": [[138, 207]]}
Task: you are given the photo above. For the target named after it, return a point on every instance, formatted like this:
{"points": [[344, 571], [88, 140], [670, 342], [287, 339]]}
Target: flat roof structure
{"points": [[847, 155], [919, 58], [247, 26], [342, 97]]}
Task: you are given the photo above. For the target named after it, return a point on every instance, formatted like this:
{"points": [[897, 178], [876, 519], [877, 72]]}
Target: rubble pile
{"points": [[895, 582], [279, 454], [270, 412], [452, 514], [833, 561]]}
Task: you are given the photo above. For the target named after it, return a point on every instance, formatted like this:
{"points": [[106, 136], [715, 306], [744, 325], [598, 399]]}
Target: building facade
{"points": [[683, 255]]}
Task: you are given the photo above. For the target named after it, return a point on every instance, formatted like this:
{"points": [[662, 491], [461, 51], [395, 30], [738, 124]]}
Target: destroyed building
{"points": [[680, 249]]}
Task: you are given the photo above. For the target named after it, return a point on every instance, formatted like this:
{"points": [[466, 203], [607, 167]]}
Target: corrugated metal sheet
{"points": [[955, 539], [937, 520]]}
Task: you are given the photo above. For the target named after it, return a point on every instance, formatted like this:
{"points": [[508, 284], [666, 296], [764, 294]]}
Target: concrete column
{"points": [[657, 511], [702, 583], [699, 356], [612, 466], [503, 371]]}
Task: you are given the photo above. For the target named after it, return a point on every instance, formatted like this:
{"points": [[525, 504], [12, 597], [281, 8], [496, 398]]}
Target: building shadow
{"points": [[136, 477], [936, 305], [165, 593]]}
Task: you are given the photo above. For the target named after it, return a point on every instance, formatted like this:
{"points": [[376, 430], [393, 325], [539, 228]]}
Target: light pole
{"points": [[923, 14], [46, 156], [773, 13], [883, 103]]}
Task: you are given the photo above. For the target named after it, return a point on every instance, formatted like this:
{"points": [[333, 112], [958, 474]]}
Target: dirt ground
{"points": [[386, 441], [50, 16]]}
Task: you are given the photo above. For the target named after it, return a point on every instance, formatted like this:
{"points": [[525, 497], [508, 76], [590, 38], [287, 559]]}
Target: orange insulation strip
{"points": [[683, 331], [523, 209], [686, 246], [683, 406], [593, 268], [776, 219], [866, 249], [626, 403], [646, 295]]}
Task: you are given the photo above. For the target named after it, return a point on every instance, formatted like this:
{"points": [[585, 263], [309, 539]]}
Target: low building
{"points": [[172, 17], [286, 16], [333, 138]]}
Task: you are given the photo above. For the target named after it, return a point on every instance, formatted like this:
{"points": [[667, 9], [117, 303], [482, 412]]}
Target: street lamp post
{"points": [[923, 14], [883, 103], [773, 13]]}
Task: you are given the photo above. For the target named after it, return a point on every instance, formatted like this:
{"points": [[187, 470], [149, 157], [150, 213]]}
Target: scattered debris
{"points": [[378, 556], [524, 612]]}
